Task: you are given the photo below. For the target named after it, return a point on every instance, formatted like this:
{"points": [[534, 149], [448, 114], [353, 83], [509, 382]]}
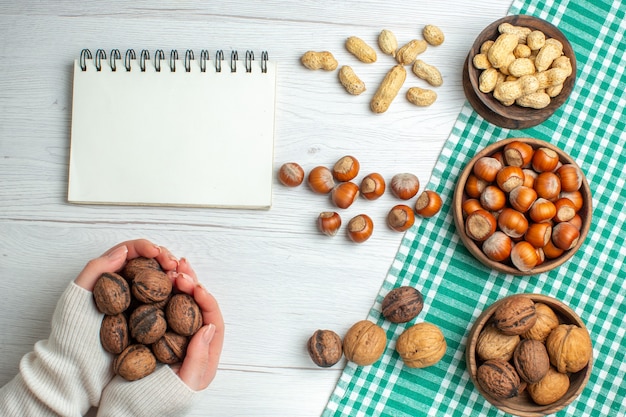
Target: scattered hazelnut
{"points": [[405, 186], [373, 186], [329, 222], [291, 174], [344, 194], [360, 228], [400, 218], [325, 348], [321, 180], [428, 204], [346, 169], [402, 304]]}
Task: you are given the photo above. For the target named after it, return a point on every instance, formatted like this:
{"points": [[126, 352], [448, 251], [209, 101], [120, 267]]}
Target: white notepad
{"points": [[159, 130]]}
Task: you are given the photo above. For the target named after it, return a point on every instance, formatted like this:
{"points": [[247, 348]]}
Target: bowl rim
{"points": [[474, 249], [563, 311], [487, 106]]}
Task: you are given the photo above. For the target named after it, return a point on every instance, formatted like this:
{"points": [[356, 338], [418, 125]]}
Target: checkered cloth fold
{"points": [[591, 127]]}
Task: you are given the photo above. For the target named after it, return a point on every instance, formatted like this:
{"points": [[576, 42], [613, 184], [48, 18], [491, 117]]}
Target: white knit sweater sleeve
{"points": [[65, 374], [161, 393]]}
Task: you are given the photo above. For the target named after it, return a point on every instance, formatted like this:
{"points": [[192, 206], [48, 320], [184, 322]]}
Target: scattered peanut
{"points": [[428, 73], [361, 50], [433, 35], [388, 89], [421, 97], [407, 54], [319, 60], [351, 82], [387, 42]]}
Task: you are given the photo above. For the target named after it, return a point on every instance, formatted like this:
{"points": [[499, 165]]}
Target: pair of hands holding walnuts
{"points": [[203, 352]]}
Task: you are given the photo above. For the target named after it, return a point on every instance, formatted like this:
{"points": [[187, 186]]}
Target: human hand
{"points": [[199, 367], [113, 260]]}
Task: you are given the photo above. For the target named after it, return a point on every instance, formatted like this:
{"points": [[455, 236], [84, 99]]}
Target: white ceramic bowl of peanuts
{"points": [[519, 71], [522, 206]]}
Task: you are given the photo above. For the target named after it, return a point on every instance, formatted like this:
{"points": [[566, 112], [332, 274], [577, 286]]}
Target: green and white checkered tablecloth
{"points": [[591, 127]]}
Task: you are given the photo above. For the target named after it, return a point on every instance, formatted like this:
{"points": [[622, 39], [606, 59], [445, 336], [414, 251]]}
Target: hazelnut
{"points": [[114, 333], [111, 293], [515, 315], [291, 174], [531, 360], [421, 345], [493, 344], [402, 304], [546, 322], [170, 348], [147, 324], [550, 389], [400, 218], [360, 228], [183, 315], [405, 186], [428, 204], [135, 362], [498, 378], [344, 194], [151, 286], [325, 348], [364, 343], [569, 348], [329, 222], [346, 169], [373, 186], [133, 266], [321, 180]]}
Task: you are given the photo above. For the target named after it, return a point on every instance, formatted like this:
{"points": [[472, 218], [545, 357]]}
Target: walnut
{"points": [[569, 348], [531, 360], [402, 304], [324, 347], [135, 362], [493, 344], [111, 293], [515, 315], [151, 286], [147, 324], [550, 389], [421, 345], [499, 379], [114, 333], [546, 322], [364, 343], [183, 315], [135, 265], [171, 348]]}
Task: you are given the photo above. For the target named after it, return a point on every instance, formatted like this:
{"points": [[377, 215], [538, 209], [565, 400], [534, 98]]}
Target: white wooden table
{"points": [[276, 277]]}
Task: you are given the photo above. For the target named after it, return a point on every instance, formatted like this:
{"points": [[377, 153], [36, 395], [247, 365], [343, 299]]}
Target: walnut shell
{"points": [[499, 379], [364, 343], [515, 315], [550, 389], [151, 286], [531, 360], [569, 348], [135, 362], [546, 322], [402, 304], [183, 315], [135, 265], [147, 324], [114, 335], [111, 293], [421, 345], [171, 348], [493, 344], [325, 348]]}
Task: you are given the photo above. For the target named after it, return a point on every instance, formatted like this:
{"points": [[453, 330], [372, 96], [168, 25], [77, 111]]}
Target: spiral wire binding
{"points": [[159, 55], [115, 54]]}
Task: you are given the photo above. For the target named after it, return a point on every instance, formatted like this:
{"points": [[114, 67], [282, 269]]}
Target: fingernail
{"points": [[184, 261], [118, 253], [209, 332], [157, 247], [188, 278]]}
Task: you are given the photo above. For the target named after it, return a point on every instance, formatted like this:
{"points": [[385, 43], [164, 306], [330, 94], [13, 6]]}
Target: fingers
{"points": [[199, 367], [111, 261]]}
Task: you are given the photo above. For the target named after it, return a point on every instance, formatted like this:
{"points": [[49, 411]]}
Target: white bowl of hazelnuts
{"points": [[522, 206]]}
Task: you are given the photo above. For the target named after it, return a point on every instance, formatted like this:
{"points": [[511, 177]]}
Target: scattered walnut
{"points": [[364, 343], [421, 345], [325, 348], [402, 304]]}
